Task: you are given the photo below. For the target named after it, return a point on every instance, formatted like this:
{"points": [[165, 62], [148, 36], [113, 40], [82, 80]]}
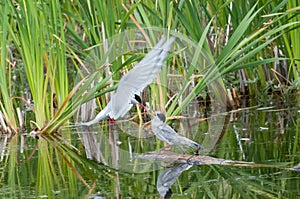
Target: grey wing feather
{"points": [[174, 138], [166, 134], [167, 130], [139, 77]]}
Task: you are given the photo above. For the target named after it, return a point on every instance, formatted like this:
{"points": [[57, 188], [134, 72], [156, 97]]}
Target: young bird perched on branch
{"points": [[165, 133]]}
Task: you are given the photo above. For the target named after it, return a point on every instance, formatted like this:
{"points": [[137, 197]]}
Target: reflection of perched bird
{"points": [[168, 177], [132, 84], [165, 133]]}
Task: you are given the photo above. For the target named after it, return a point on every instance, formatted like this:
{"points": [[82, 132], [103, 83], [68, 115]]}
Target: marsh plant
{"points": [[60, 60]]}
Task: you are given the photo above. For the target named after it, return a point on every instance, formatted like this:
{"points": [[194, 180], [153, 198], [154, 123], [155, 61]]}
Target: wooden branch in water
{"points": [[195, 160]]}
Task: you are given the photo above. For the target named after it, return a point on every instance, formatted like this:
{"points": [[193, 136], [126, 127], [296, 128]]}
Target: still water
{"points": [[248, 153]]}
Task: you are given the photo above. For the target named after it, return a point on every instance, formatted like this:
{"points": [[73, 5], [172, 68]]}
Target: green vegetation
{"points": [[57, 55]]}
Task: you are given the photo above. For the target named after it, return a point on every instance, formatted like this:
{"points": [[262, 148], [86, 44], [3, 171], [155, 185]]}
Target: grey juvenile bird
{"points": [[132, 84], [165, 133]]}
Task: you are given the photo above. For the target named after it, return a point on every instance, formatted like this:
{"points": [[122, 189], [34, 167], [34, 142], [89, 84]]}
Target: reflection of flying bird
{"points": [[132, 84], [165, 133]]}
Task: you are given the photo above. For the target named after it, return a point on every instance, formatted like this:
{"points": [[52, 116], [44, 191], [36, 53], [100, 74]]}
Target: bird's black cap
{"points": [[137, 98], [161, 116]]}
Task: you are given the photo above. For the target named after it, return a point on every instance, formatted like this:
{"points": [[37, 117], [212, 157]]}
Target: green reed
{"points": [[42, 54], [6, 104], [291, 39]]}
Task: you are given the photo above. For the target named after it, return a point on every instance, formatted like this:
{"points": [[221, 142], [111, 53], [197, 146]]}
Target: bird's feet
{"points": [[196, 152], [111, 120]]}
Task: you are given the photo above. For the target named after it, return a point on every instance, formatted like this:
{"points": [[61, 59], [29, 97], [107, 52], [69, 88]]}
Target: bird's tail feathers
{"points": [[195, 145], [101, 116]]}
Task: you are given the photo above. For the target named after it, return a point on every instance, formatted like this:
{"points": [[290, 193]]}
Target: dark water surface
{"points": [[100, 161]]}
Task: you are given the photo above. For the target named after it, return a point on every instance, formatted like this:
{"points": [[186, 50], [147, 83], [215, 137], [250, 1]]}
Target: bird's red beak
{"points": [[144, 107]]}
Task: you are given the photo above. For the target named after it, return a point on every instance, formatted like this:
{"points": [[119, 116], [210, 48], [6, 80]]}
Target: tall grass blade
{"points": [[6, 105]]}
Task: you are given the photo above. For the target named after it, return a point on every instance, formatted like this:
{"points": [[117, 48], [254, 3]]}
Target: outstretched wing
{"points": [[139, 77]]}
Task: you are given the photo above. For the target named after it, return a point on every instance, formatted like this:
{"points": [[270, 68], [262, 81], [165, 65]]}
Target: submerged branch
{"points": [[196, 160]]}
